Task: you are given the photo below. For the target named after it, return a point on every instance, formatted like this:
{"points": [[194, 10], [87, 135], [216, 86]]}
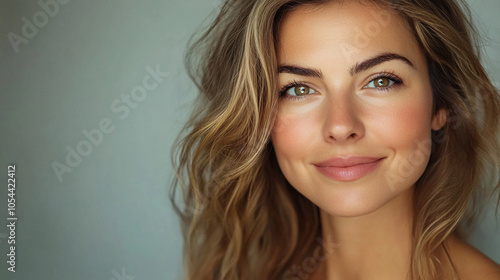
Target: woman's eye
{"points": [[299, 90], [382, 82]]}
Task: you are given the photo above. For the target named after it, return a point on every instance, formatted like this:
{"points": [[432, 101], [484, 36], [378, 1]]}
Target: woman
{"points": [[337, 140]]}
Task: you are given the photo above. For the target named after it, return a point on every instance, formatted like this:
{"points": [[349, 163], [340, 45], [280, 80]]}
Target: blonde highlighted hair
{"points": [[240, 217]]}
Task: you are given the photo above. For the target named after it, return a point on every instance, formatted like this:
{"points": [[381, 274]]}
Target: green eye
{"points": [[299, 90]]}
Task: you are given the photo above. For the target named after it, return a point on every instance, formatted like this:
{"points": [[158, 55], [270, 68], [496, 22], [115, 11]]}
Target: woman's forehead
{"points": [[344, 33]]}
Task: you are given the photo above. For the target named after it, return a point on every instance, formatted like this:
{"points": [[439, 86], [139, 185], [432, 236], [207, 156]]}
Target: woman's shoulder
{"points": [[470, 263]]}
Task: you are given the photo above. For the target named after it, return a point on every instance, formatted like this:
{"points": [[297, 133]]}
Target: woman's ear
{"points": [[439, 119]]}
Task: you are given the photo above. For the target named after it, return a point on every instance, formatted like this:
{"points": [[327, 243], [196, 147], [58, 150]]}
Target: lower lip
{"points": [[349, 173]]}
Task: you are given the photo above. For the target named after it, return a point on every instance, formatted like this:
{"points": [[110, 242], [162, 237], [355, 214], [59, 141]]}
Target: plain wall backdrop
{"points": [[111, 71]]}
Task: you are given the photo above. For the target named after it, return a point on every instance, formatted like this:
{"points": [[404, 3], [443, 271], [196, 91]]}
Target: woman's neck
{"points": [[377, 245]]}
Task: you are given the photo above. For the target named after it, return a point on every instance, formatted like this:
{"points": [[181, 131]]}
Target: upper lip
{"points": [[346, 161]]}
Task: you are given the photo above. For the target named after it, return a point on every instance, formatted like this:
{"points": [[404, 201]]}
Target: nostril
{"points": [[350, 136]]}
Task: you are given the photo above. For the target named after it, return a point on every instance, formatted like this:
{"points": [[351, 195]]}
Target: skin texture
{"points": [[369, 219]]}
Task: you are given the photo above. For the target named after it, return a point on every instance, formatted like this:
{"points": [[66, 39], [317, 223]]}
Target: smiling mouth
{"points": [[348, 168]]}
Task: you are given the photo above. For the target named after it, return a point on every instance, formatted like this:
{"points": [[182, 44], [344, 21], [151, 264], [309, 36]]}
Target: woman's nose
{"points": [[342, 121]]}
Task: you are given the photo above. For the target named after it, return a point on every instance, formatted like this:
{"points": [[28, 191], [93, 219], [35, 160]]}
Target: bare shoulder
{"points": [[471, 263]]}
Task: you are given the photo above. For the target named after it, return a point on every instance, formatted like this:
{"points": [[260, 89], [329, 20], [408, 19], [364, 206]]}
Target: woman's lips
{"points": [[348, 168]]}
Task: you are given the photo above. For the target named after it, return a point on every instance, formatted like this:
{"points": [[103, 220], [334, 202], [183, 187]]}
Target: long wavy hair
{"points": [[241, 219]]}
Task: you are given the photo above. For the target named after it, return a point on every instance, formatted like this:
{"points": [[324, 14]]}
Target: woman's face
{"points": [[354, 121]]}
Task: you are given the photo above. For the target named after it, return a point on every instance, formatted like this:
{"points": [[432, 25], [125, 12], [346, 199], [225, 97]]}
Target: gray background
{"points": [[110, 217]]}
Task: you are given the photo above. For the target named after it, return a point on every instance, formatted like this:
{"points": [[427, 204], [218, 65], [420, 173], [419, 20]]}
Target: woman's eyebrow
{"points": [[359, 67], [372, 62], [308, 72]]}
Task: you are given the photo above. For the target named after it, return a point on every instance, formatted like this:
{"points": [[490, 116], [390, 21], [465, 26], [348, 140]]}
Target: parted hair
{"points": [[241, 219]]}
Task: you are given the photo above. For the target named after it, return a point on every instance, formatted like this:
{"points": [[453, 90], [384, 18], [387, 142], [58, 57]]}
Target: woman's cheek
{"points": [[410, 121], [295, 129], [292, 131], [406, 131]]}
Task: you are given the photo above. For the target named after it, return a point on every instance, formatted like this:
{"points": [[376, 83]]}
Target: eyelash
{"points": [[388, 75], [284, 89]]}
